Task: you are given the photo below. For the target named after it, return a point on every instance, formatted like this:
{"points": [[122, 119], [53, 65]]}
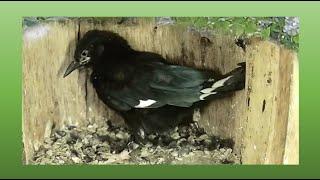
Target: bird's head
{"points": [[97, 45], [88, 49]]}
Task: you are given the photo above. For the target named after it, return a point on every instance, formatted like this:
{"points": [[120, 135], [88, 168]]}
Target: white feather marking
{"points": [[145, 103], [206, 90], [220, 83], [211, 80], [205, 95]]}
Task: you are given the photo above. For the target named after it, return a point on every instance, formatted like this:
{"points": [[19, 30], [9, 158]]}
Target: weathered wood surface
{"points": [[260, 136], [291, 154], [269, 76]]}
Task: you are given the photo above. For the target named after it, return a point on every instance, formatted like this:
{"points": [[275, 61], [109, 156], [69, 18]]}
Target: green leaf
{"points": [[225, 25], [237, 20], [222, 25], [296, 39], [265, 33], [275, 28], [213, 19], [201, 22], [251, 27], [238, 29]]}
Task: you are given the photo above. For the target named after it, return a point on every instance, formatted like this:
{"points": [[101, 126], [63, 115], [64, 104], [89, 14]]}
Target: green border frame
{"points": [[11, 93]]}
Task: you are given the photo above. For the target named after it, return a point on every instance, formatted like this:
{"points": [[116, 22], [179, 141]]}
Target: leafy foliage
{"points": [[282, 29], [264, 27]]}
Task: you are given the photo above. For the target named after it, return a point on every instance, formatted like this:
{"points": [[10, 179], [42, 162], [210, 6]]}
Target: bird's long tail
{"points": [[232, 81]]}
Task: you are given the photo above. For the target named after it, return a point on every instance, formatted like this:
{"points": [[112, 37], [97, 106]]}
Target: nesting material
{"points": [[187, 144]]}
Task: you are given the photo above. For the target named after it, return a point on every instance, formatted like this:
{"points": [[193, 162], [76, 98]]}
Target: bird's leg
{"points": [[196, 117], [140, 137], [133, 121], [141, 133]]}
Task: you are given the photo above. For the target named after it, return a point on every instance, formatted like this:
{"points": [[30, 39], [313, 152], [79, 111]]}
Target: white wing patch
{"points": [[206, 90], [145, 103], [209, 91], [205, 95], [220, 83]]}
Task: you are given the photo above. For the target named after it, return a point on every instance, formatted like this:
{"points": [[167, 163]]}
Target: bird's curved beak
{"points": [[73, 66]]}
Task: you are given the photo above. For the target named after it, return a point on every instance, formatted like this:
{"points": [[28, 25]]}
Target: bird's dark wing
{"points": [[151, 84], [147, 81], [178, 85]]}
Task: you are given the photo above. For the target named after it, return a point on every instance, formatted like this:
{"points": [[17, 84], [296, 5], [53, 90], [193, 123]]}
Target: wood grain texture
{"points": [[260, 136], [291, 154], [48, 99], [269, 75]]}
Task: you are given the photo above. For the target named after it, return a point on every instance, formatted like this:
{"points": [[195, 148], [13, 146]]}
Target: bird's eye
{"points": [[84, 53]]}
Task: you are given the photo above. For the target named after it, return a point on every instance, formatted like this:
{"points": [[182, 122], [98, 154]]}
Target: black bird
{"points": [[151, 94]]}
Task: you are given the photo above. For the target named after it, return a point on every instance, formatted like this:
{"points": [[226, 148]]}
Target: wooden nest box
{"points": [[262, 119]]}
